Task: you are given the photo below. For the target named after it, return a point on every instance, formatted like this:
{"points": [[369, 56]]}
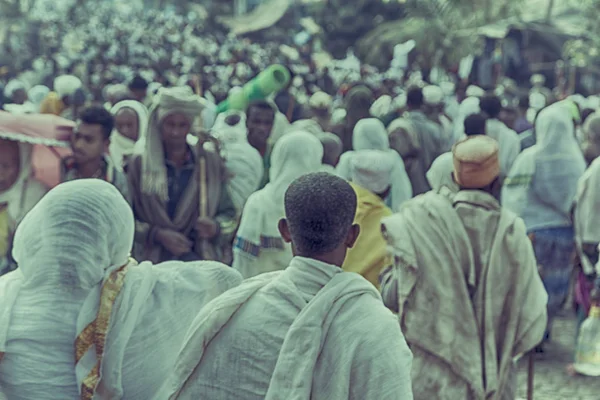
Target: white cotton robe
{"points": [[66, 248], [309, 332]]}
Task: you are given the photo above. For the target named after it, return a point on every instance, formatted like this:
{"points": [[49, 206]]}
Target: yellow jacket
{"points": [[369, 256]]}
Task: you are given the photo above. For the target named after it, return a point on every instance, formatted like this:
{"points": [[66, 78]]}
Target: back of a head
{"points": [[98, 116], [77, 231], [475, 124], [491, 105], [295, 154], [138, 83], [554, 126], [476, 162], [591, 128], [320, 210], [359, 101], [414, 98], [524, 102]]}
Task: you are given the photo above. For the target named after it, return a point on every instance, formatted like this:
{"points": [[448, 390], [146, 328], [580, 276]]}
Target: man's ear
{"points": [[284, 230], [352, 236]]}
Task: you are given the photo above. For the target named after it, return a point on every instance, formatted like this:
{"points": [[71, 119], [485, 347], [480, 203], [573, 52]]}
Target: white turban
{"points": [[381, 106], [372, 170], [433, 95], [37, 94], [66, 85], [11, 87], [320, 100], [475, 91]]}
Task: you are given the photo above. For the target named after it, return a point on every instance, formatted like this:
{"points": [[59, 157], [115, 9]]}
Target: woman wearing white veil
{"points": [[131, 124], [79, 319]]}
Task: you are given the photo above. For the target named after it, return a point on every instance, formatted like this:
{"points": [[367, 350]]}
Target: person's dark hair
{"points": [[475, 124], [586, 113], [320, 210], [491, 105], [98, 116], [138, 83], [414, 97], [260, 104], [524, 102]]}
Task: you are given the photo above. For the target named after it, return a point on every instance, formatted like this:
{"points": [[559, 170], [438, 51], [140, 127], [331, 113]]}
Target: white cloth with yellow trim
{"points": [[67, 247]]}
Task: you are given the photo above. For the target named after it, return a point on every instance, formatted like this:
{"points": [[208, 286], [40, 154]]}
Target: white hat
{"points": [[372, 169], [12, 86], [66, 85], [475, 91], [538, 79], [381, 106], [433, 95], [320, 100]]}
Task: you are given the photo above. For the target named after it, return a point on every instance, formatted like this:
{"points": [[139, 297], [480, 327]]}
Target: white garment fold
{"points": [[311, 347], [370, 134], [586, 221]]}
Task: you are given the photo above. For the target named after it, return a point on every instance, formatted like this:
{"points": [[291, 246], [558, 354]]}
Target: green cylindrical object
{"points": [[270, 81]]}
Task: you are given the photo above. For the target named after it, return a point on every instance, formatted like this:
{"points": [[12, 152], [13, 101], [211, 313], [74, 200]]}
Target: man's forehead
{"points": [[86, 129]]}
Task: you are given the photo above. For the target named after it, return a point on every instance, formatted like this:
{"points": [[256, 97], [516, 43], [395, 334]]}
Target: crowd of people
{"points": [[356, 239]]}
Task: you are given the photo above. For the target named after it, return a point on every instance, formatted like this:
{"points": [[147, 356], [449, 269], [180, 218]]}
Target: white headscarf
{"points": [[66, 248], [372, 170], [370, 134], [226, 133], [555, 163], [166, 102], [587, 219], [243, 162], [440, 173], [294, 155], [121, 146], [37, 94], [66, 85]]}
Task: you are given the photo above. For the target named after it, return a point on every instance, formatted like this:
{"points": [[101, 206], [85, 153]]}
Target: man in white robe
{"points": [[310, 331], [465, 283]]}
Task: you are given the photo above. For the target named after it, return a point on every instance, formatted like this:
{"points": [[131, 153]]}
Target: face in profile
{"points": [[9, 164], [127, 124], [174, 129]]}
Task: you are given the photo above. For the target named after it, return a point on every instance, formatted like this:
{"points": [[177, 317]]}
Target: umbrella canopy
{"points": [[49, 135]]}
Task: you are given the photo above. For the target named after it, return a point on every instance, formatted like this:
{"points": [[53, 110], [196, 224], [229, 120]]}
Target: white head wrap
{"points": [[320, 100], [475, 91], [433, 95], [381, 106], [370, 134], [67, 247], [226, 133], [66, 85], [37, 94], [166, 102], [120, 145], [372, 170], [11, 87]]}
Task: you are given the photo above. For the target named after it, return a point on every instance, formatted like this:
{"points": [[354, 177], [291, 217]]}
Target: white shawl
{"points": [[542, 184], [121, 146], [307, 347], [66, 248], [259, 247], [370, 134], [587, 204]]}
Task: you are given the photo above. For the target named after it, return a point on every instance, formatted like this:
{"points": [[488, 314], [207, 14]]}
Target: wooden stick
{"points": [[203, 189], [530, 375]]}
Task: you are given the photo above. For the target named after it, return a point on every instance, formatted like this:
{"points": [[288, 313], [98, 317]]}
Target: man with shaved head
{"points": [[310, 331]]}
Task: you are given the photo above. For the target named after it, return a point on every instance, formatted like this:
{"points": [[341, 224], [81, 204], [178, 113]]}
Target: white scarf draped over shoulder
{"points": [[121, 146], [73, 250], [370, 134], [166, 102]]}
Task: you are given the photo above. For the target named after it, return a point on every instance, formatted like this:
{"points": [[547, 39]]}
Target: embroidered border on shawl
{"points": [[96, 335], [246, 246], [518, 180], [266, 243]]}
